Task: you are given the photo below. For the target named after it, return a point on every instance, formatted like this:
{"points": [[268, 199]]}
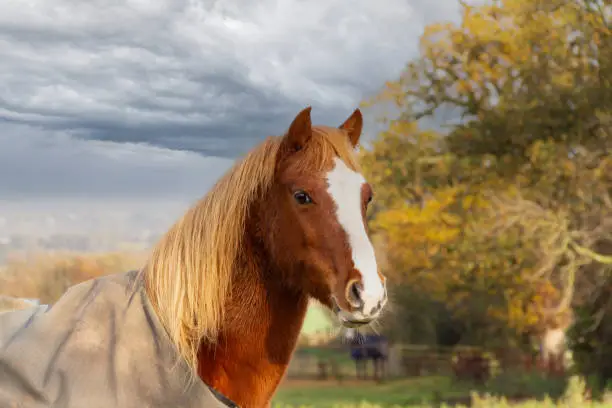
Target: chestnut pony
{"points": [[231, 280]]}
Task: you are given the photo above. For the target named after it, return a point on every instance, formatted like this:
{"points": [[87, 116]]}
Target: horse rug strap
{"points": [[101, 345]]}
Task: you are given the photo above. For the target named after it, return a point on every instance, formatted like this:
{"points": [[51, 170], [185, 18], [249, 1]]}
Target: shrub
{"points": [[46, 276]]}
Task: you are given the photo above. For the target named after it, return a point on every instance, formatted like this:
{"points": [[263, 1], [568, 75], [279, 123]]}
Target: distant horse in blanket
{"points": [[213, 317], [369, 347]]}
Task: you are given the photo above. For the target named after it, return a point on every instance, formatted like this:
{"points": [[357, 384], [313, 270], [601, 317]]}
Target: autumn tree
{"points": [[515, 194], [519, 71]]}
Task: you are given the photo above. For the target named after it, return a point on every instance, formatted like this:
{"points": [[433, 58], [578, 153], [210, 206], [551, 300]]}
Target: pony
{"points": [[364, 347], [230, 281], [213, 317]]}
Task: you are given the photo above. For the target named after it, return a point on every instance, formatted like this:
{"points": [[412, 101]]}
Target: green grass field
{"points": [[399, 392], [432, 392]]}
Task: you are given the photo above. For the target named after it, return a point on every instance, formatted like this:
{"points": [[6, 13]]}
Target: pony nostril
{"points": [[354, 294]]}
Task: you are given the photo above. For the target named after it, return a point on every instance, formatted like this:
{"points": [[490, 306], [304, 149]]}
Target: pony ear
{"points": [[353, 126], [300, 130]]}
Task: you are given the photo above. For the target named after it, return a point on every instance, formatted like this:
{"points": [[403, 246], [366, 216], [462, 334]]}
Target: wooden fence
{"points": [[334, 362]]}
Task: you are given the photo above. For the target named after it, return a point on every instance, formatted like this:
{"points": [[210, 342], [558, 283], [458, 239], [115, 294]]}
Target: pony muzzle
{"points": [[362, 309]]}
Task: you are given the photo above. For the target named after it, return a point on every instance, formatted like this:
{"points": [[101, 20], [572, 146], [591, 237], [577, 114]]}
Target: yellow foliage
{"points": [[526, 74]]}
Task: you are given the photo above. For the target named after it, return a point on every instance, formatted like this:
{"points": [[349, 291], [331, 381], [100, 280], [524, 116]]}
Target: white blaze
{"points": [[345, 189]]}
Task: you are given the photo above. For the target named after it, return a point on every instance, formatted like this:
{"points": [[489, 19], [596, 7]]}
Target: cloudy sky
{"points": [[154, 99]]}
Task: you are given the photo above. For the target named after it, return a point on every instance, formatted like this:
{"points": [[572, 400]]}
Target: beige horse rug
{"points": [[100, 346]]}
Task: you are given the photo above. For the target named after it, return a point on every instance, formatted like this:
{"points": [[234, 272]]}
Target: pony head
{"points": [[315, 224], [290, 214]]}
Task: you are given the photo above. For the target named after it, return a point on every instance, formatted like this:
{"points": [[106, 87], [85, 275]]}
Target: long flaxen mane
{"points": [[189, 274]]}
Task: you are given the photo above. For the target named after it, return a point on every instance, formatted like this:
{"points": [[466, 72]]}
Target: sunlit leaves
{"points": [[520, 70], [533, 80]]}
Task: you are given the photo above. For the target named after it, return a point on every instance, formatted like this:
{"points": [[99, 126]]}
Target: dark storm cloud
{"points": [[116, 114], [41, 164], [212, 77]]}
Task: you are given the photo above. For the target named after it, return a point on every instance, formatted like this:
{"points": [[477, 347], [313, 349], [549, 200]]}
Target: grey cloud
{"points": [[39, 164], [212, 77], [115, 115]]}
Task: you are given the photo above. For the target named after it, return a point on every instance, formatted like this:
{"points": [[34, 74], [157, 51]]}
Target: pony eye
{"points": [[302, 197]]}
